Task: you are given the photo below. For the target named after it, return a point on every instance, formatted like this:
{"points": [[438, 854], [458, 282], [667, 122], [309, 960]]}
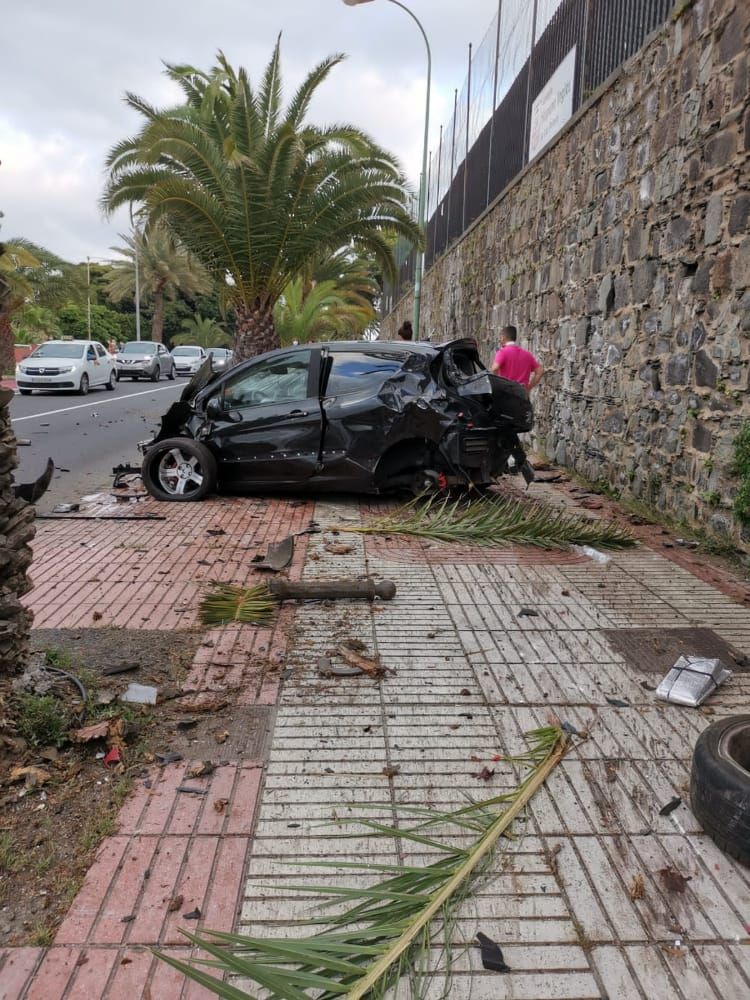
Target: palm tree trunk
{"points": [[157, 320], [256, 333], [7, 352]]}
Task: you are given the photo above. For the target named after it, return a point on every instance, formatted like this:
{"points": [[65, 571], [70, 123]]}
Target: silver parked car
{"points": [[221, 358], [188, 359], [144, 359]]}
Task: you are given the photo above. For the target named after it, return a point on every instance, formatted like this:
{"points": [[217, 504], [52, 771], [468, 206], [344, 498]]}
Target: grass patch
{"points": [[41, 720], [741, 469], [9, 859]]}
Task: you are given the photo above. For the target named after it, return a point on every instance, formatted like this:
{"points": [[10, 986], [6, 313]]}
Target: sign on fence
{"points": [[554, 105]]}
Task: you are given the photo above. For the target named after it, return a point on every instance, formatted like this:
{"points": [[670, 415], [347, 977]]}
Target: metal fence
{"points": [[537, 63]]}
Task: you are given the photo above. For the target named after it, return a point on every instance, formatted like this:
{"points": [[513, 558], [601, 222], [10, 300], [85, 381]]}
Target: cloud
{"points": [[66, 111]]}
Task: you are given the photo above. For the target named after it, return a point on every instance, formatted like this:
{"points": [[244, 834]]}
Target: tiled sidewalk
{"points": [[147, 574], [472, 674]]}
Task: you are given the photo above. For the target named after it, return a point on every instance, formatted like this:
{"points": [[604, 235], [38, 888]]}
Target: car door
{"points": [[103, 367], [271, 423], [93, 366]]}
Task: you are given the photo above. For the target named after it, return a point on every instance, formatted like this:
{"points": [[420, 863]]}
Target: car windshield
{"points": [[218, 352], [190, 352], [56, 350], [134, 347]]}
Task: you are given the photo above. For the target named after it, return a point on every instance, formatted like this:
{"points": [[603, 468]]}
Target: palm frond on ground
{"points": [[165, 267], [496, 521], [384, 932], [226, 602], [254, 191]]}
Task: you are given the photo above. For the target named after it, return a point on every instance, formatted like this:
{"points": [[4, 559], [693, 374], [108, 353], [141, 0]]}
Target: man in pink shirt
{"points": [[513, 362]]}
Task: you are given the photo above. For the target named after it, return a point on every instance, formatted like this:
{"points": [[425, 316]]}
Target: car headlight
{"points": [[70, 368]]}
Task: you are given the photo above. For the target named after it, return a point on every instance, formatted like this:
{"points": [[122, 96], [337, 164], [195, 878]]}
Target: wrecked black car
{"points": [[365, 417]]}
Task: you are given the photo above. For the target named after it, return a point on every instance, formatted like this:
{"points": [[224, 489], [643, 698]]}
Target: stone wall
{"points": [[16, 533], [622, 255]]}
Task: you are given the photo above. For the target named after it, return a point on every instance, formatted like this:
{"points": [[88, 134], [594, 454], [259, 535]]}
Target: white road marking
{"points": [[83, 406]]}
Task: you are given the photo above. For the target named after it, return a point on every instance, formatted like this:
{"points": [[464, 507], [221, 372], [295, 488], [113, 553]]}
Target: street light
{"points": [[423, 178]]}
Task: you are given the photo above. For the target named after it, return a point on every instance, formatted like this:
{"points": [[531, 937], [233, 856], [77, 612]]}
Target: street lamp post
{"points": [[419, 266]]}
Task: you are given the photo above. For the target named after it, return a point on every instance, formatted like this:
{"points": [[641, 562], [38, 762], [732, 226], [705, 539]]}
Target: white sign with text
{"points": [[554, 105]]}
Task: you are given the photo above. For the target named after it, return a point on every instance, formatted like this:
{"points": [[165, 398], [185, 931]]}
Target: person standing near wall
{"points": [[515, 363], [405, 331]]}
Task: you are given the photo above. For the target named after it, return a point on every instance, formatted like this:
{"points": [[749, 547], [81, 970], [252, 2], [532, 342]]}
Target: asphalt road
{"points": [[86, 435]]}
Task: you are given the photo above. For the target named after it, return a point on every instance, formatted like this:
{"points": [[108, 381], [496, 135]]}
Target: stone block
{"points": [[702, 438], [702, 277], [730, 41], [739, 215], [721, 275], [615, 239], [741, 266], [719, 150], [620, 168], [677, 370], [697, 337], [644, 274], [606, 295], [678, 233], [713, 219]]}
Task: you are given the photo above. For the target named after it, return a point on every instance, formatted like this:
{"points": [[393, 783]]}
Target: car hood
{"points": [[48, 362]]}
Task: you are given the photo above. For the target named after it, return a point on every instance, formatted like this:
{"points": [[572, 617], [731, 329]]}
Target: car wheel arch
{"points": [[401, 456]]}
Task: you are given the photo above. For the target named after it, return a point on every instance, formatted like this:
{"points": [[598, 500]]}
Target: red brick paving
{"points": [[148, 575]]}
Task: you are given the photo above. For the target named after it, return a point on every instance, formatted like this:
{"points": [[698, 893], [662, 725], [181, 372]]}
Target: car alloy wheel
{"points": [[179, 469], [112, 382], [83, 387], [156, 374]]}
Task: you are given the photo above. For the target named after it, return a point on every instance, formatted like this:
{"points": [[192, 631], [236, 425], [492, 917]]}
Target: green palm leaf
{"points": [[387, 929], [496, 521]]}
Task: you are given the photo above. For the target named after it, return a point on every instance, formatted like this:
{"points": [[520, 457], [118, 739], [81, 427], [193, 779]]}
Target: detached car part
{"points": [[355, 416]]}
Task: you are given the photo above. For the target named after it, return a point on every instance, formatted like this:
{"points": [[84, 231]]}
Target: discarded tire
{"points": [[720, 785], [179, 469]]}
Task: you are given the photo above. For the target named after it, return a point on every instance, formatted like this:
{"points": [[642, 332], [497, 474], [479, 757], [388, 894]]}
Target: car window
{"points": [[90, 353], [138, 347], [360, 371], [277, 380], [187, 352], [54, 349], [99, 350]]}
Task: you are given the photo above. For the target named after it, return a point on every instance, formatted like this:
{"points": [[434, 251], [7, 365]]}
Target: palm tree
{"points": [[204, 332], [165, 267], [16, 259], [33, 324], [254, 191]]}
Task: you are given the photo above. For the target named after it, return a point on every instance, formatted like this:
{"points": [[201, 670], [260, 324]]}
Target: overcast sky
{"points": [[65, 65]]}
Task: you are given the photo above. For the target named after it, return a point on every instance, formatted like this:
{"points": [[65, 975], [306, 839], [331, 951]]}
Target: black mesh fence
{"points": [[539, 61]]}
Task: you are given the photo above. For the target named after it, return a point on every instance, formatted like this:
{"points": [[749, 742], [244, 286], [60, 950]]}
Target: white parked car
{"points": [[66, 364], [187, 360]]}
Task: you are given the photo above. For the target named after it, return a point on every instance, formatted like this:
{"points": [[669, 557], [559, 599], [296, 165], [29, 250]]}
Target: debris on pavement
{"points": [[168, 758], [485, 774], [119, 668], [66, 508], [193, 915], [113, 757], [492, 955], [191, 790], [140, 694], [691, 680], [200, 769], [672, 879], [637, 888], [594, 554], [175, 903], [617, 702], [220, 805], [370, 666], [528, 613], [33, 776], [326, 668], [31, 492], [670, 806], [391, 770], [278, 556], [337, 548], [97, 731]]}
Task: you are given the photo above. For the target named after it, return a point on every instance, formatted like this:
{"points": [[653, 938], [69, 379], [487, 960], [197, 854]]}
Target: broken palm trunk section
{"points": [[16, 533]]}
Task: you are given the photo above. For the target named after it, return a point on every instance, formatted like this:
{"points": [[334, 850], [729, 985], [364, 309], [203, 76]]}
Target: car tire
{"points": [[111, 384], [161, 462], [172, 374], [156, 374], [25, 392], [720, 785], [83, 385]]}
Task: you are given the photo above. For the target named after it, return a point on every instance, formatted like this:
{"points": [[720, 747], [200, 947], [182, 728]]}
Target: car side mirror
{"points": [[214, 409]]}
